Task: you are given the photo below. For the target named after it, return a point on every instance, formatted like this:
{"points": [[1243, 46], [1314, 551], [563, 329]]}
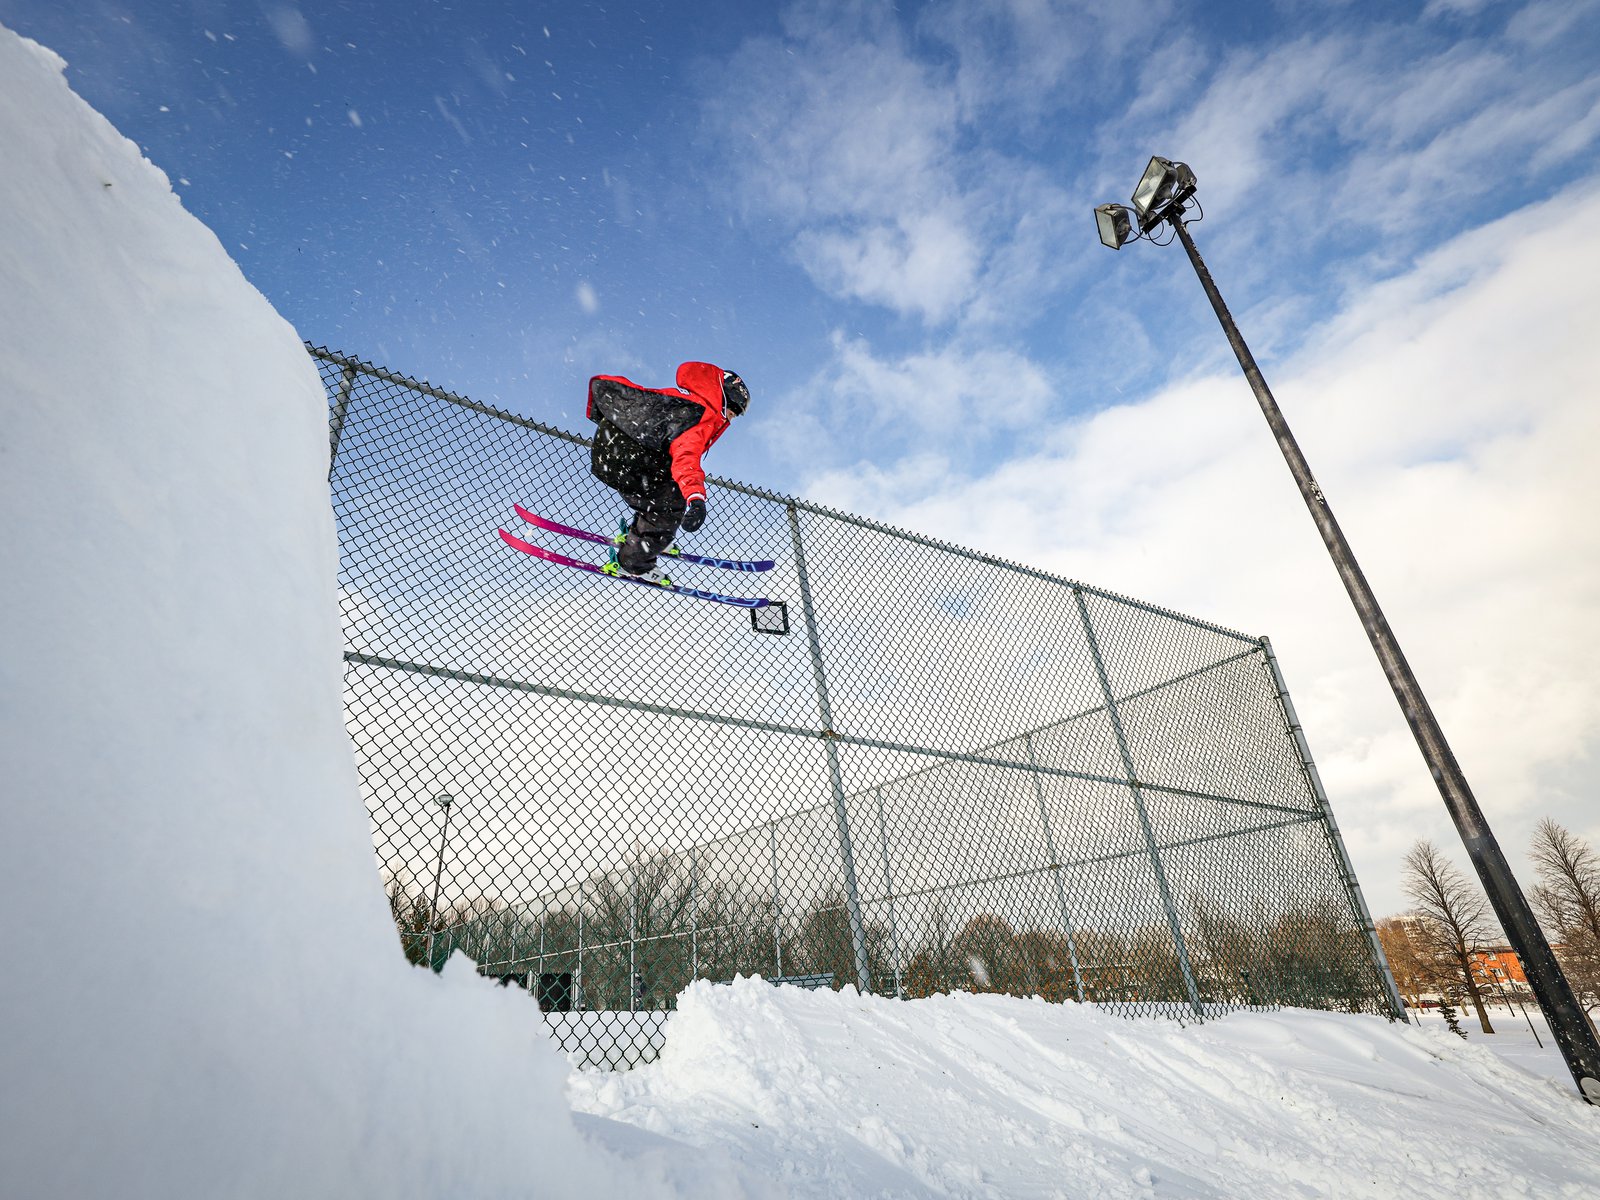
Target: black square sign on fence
{"points": [[770, 618]]}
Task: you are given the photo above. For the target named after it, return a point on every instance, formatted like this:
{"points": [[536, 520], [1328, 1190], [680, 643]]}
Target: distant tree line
{"points": [[1307, 956], [634, 937]]}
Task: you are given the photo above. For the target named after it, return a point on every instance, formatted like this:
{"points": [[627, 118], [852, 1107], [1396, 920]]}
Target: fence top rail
{"points": [[361, 366]]}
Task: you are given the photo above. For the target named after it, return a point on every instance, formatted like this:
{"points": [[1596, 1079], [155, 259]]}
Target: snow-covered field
{"points": [[203, 994]]}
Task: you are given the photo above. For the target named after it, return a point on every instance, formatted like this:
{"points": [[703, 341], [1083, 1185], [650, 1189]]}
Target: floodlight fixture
{"points": [[1114, 223], [1164, 185]]}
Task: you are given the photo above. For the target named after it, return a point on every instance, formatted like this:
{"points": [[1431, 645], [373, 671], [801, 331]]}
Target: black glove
{"points": [[695, 515]]}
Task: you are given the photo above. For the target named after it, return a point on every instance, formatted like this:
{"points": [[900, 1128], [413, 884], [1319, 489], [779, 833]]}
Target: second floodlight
{"points": [[1114, 224]]}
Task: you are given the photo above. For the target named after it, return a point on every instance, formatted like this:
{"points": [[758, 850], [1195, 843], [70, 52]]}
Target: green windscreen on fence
{"points": [[951, 772]]}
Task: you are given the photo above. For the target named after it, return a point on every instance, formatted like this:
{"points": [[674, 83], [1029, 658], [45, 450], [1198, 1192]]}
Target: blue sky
{"points": [[881, 216]]}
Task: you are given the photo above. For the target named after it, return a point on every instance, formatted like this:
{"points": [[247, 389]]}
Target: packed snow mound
{"points": [[844, 1095], [203, 993]]}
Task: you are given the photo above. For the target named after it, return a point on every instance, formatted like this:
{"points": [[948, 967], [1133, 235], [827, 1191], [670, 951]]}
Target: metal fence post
{"points": [[888, 894], [341, 407], [1347, 874], [694, 914], [1055, 867], [777, 900], [858, 932], [1139, 806]]}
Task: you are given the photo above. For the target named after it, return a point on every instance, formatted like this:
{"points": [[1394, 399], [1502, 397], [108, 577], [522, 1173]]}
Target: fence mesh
{"points": [[952, 772]]}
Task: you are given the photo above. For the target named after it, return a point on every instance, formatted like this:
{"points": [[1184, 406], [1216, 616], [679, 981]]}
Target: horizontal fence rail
{"points": [[951, 772]]}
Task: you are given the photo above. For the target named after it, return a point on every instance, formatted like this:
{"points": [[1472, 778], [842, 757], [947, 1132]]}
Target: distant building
{"points": [[1499, 964]]}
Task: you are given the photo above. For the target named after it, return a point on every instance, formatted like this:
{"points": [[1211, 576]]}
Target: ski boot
{"points": [[654, 575]]}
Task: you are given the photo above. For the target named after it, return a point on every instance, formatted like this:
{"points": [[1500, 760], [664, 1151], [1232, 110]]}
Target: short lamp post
{"points": [[444, 801], [1162, 199]]}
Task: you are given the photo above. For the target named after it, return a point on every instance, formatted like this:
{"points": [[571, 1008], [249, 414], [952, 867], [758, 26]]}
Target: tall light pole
{"points": [[1161, 199], [443, 801]]}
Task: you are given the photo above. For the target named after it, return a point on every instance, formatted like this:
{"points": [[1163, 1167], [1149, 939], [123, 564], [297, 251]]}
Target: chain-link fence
{"points": [[951, 772]]}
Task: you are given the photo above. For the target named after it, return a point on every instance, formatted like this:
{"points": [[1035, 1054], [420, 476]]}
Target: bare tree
{"points": [[1412, 969], [413, 916], [988, 946], [1453, 915], [934, 967], [1567, 898]]}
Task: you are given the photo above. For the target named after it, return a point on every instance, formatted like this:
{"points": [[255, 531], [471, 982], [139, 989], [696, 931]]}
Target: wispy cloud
{"points": [[937, 166], [858, 138], [924, 263], [950, 401], [1026, 58], [1391, 135]]}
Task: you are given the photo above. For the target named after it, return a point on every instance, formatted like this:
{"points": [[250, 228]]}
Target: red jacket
{"points": [[683, 421]]}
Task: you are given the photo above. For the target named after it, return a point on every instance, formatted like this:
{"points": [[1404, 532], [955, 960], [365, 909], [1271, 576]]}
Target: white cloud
{"points": [[941, 166], [840, 120], [1546, 21], [1519, 132], [1169, 78], [1024, 55], [924, 263], [1451, 416], [952, 398], [865, 149], [1380, 130], [1454, 7], [1576, 130]]}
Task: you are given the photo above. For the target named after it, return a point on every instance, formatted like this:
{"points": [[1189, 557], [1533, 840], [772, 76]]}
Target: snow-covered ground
{"points": [[1520, 1036], [203, 994], [839, 1095]]}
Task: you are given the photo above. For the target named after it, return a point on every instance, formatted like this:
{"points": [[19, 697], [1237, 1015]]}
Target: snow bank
{"points": [[203, 994], [840, 1095]]}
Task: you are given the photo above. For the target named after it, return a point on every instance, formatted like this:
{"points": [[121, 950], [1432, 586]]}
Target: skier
{"points": [[648, 447]]}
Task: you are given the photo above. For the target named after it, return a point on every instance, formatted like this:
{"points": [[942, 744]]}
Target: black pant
{"points": [[643, 478], [655, 522]]}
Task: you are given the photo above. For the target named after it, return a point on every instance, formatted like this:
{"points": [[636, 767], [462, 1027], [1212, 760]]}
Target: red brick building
{"points": [[1500, 964]]}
